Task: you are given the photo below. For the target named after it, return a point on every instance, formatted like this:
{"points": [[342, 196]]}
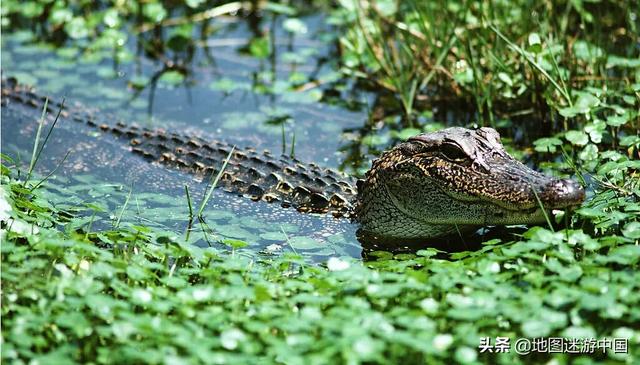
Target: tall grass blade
{"points": [[51, 173], [186, 190], [37, 147], [126, 202], [544, 211], [36, 143], [215, 182], [533, 63]]}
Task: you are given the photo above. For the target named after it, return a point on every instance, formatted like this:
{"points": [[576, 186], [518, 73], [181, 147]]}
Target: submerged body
{"points": [[430, 186]]}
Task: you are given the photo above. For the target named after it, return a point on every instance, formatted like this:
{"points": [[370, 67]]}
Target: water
{"points": [[226, 94]]}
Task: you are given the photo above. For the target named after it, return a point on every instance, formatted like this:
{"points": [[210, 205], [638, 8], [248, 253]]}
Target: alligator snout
{"points": [[561, 193]]}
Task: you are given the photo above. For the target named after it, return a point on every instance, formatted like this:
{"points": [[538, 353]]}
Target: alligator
{"points": [[430, 186]]}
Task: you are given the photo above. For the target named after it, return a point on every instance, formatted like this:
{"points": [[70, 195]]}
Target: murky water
{"points": [[222, 95], [226, 94]]}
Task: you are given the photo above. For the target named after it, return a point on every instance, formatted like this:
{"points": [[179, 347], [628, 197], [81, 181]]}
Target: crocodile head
{"points": [[456, 179]]}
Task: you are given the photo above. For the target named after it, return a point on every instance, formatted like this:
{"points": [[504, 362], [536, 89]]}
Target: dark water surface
{"points": [[222, 96]]}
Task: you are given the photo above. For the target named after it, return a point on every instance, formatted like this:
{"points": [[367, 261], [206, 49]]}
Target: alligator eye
{"points": [[452, 152], [411, 149]]}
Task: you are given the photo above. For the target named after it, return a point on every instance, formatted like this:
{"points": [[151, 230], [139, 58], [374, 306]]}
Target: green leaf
{"points": [[631, 230], [583, 105], [194, 3], [235, 243], [466, 355], [260, 47], [31, 9], [224, 84], [617, 120], [547, 144], [579, 332], [577, 138], [111, 18], [627, 254], [569, 112], [154, 11], [60, 16], [535, 45], [589, 153], [587, 51], [536, 328], [586, 102], [136, 272], [595, 130], [295, 25], [617, 61], [406, 133], [77, 28], [172, 77], [304, 243], [280, 8], [505, 78]]}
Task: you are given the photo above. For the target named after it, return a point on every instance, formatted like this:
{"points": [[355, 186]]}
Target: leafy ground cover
{"points": [[127, 295], [560, 80]]}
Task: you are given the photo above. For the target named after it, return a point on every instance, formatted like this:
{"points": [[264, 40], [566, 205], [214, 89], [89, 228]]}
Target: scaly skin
{"points": [[455, 180], [433, 185], [256, 175]]}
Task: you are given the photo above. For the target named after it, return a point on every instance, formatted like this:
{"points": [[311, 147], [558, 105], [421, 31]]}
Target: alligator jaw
{"points": [[555, 194]]}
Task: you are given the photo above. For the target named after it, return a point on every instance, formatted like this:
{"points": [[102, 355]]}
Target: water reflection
{"points": [[243, 78], [209, 80]]}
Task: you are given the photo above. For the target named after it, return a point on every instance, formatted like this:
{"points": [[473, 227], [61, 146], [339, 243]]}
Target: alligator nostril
{"points": [[562, 193], [574, 191]]}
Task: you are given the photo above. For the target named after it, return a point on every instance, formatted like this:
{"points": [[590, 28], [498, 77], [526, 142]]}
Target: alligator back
{"points": [[258, 175]]}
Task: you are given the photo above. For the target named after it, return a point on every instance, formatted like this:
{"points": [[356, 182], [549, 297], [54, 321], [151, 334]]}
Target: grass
{"points": [[478, 52]]}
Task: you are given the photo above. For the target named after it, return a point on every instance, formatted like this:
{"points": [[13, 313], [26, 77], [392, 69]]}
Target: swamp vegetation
{"points": [[97, 270]]}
